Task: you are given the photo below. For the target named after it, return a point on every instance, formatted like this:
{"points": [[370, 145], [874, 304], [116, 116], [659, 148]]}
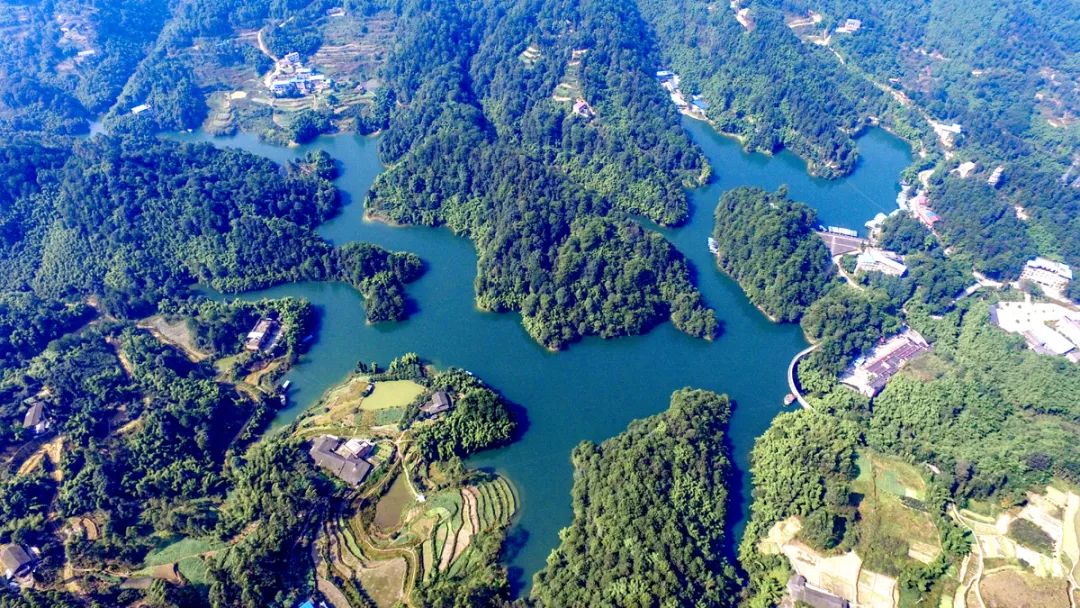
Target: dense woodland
{"points": [[163, 216], [767, 243], [765, 86], [544, 194], [649, 514]]}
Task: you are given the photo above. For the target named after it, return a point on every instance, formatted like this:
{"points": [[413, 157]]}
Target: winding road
{"points": [[793, 386]]}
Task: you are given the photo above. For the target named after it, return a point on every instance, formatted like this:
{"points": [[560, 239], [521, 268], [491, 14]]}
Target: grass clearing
{"points": [[194, 570], [927, 367], [176, 333], [180, 550], [383, 581], [891, 532], [392, 394]]}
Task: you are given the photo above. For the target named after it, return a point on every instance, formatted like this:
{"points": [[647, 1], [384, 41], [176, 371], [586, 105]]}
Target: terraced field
{"points": [[437, 536]]}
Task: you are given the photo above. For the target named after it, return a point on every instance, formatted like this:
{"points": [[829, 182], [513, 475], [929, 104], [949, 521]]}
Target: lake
{"points": [[595, 388]]}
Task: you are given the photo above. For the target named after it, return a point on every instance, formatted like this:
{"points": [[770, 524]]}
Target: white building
{"points": [[1053, 277], [1044, 340], [879, 260]]}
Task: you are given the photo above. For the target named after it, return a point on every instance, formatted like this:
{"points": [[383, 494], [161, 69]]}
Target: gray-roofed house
{"points": [[439, 403], [35, 419], [802, 592], [349, 468], [17, 561]]}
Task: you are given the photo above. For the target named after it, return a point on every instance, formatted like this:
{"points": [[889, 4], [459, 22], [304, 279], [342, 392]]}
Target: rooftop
{"points": [[871, 373], [440, 402], [16, 560], [35, 415], [350, 468], [1057, 268]]}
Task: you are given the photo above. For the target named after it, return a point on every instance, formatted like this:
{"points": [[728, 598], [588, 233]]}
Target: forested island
{"points": [[649, 514], [766, 242]]}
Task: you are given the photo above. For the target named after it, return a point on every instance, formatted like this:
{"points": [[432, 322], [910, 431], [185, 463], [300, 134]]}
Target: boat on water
{"points": [[714, 247], [789, 399]]}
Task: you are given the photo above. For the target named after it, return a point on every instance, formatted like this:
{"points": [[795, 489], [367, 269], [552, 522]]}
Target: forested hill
{"points": [[135, 221], [45, 83], [649, 509], [767, 243], [764, 85], [544, 193]]}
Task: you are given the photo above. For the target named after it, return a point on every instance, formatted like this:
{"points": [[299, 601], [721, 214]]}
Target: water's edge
{"points": [[594, 389]]}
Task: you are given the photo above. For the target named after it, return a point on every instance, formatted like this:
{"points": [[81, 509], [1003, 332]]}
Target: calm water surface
{"points": [[594, 389]]}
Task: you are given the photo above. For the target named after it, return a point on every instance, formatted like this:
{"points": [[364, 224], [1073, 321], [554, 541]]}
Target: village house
{"points": [[879, 260], [18, 563], [920, 208], [343, 459], [1048, 328], [850, 26], [801, 591], [439, 403], [264, 336], [583, 109], [870, 373], [35, 419], [1052, 277], [995, 177]]}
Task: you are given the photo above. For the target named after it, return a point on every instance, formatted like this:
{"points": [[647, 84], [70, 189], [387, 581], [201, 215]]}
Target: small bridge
{"points": [[793, 386]]}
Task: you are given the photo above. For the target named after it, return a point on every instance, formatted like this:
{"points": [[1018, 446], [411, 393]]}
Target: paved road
{"points": [[840, 244], [792, 385]]}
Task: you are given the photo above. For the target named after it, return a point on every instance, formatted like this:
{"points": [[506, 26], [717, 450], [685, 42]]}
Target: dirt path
{"points": [[838, 260], [977, 555]]}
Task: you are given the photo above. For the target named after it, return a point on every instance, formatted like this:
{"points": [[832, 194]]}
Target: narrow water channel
{"points": [[596, 387]]}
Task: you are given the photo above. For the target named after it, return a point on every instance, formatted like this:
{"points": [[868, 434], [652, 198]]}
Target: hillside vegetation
{"points": [[649, 508]]}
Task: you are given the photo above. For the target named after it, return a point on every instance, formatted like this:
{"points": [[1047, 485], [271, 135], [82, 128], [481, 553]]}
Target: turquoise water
{"points": [[596, 387]]}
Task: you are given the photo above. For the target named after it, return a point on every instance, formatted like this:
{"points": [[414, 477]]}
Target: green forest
{"points": [[767, 243], [649, 514]]}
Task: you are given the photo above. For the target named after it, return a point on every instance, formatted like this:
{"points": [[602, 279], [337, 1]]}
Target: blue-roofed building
{"points": [[306, 604]]}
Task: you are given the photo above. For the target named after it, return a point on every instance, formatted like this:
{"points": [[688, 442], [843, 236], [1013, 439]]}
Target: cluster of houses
{"points": [[292, 79], [871, 372], [264, 337], [1052, 277], [1048, 328], [18, 563], [696, 107]]}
